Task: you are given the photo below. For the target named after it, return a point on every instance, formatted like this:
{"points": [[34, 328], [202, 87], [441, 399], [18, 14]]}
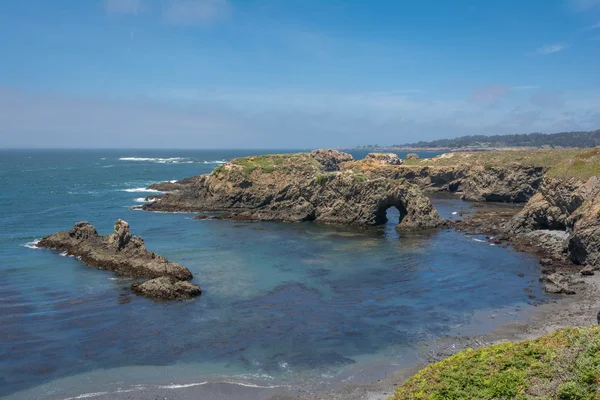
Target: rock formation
{"points": [[571, 206], [384, 158], [509, 183], [329, 159], [126, 255], [313, 186]]}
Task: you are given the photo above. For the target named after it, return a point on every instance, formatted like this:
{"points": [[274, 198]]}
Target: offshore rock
{"points": [[298, 187], [166, 288], [120, 252]]}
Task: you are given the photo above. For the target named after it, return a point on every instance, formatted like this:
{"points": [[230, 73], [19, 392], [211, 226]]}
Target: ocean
{"points": [[291, 307]]}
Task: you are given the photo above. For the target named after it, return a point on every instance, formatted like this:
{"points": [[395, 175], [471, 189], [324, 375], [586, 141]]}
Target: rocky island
{"points": [[127, 256]]}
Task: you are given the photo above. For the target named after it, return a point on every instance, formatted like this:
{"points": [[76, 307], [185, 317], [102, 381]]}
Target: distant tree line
{"points": [[562, 139]]}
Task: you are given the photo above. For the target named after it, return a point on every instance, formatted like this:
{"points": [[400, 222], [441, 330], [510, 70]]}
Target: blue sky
{"points": [[293, 73]]}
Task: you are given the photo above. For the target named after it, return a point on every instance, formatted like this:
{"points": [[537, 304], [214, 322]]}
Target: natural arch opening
{"points": [[390, 212]]}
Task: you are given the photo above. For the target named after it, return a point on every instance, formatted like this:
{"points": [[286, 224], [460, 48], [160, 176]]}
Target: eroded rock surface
{"points": [[302, 187], [384, 158], [166, 288], [120, 252], [330, 159]]}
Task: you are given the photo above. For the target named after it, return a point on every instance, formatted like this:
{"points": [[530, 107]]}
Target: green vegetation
{"points": [[360, 177], [563, 163], [272, 162], [564, 365], [320, 179], [562, 139]]}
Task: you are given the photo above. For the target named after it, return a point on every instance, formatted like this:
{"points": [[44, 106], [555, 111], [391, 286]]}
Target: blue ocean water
{"points": [[283, 304]]}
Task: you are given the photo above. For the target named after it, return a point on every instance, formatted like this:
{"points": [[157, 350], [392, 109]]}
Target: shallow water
{"points": [[290, 305]]}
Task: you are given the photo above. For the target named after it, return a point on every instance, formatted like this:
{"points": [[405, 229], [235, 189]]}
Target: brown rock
{"points": [[166, 288]]}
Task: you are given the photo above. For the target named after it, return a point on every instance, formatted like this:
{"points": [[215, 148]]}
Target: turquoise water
{"points": [[282, 305]]}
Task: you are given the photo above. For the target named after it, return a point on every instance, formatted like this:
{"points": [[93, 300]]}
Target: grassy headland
{"points": [[564, 365], [560, 163]]}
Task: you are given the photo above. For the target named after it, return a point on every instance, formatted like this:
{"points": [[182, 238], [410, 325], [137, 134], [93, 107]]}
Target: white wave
{"points": [[252, 385], [140, 190], [64, 254], [154, 159], [32, 245], [215, 162], [182, 386], [454, 213], [173, 181], [479, 240], [87, 396]]}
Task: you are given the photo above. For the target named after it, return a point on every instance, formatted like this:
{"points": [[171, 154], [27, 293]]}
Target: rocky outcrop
{"points": [[330, 159], [120, 252], [571, 206], [412, 156], [166, 288], [171, 186], [384, 158], [513, 183], [298, 187]]}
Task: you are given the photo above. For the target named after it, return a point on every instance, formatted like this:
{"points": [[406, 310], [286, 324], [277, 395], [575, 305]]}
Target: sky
{"points": [[293, 73]]}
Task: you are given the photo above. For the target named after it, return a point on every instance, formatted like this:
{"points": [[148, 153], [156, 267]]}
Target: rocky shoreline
{"points": [[316, 186], [127, 256]]}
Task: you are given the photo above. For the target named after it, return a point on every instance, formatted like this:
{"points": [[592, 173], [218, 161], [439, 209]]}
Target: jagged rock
{"points": [[166, 288], [587, 270], [296, 187], [546, 262], [412, 156], [513, 183], [552, 243], [557, 283], [172, 186], [330, 159], [120, 252], [384, 158]]}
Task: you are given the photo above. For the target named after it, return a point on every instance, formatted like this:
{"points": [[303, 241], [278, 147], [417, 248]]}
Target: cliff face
{"points": [[571, 205], [513, 183], [301, 187]]}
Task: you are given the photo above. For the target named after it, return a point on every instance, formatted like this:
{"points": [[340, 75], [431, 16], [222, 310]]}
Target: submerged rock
{"points": [[120, 252]]}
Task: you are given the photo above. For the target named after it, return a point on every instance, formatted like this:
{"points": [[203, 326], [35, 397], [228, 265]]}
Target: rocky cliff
{"points": [[571, 205], [302, 187], [472, 178], [127, 256]]}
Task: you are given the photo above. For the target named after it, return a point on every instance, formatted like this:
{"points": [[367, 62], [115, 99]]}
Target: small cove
{"points": [[292, 306]]}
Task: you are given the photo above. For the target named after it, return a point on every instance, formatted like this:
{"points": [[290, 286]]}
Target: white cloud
{"points": [[290, 118], [123, 6], [195, 12], [551, 48], [595, 26]]}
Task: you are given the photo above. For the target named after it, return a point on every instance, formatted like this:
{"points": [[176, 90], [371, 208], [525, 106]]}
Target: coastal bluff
{"points": [[127, 256], [316, 186]]}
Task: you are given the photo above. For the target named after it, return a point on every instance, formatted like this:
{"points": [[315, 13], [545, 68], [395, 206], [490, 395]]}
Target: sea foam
{"points": [[139, 190], [32, 245]]}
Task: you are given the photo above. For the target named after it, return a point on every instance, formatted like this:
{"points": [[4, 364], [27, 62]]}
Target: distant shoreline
{"points": [[446, 149]]}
